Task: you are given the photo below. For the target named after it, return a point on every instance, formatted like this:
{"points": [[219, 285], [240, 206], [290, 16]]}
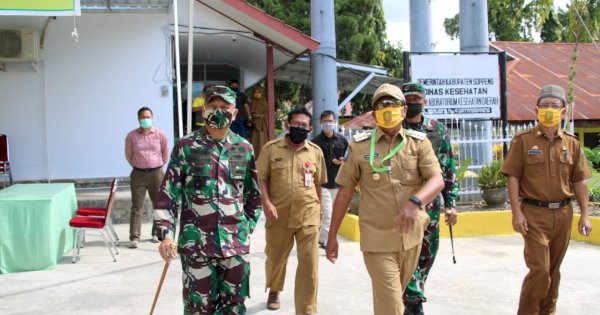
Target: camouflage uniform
{"points": [[215, 184], [437, 134]]}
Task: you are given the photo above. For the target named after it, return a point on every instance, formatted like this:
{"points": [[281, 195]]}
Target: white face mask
{"points": [[328, 126]]}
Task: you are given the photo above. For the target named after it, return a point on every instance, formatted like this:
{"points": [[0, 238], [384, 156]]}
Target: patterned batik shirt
{"points": [[438, 135], [214, 183]]}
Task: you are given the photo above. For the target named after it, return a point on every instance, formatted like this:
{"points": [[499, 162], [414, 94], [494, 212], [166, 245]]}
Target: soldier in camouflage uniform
{"points": [[212, 177], [414, 294]]}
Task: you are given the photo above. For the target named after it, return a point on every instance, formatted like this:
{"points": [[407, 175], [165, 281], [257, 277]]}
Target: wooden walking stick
{"points": [[162, 279]]}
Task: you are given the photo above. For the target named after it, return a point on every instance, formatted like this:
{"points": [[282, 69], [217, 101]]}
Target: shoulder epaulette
{"points": [[362, 136], [416, 134], [571, 134], [518, 134], [312, 144], [271, 142]]}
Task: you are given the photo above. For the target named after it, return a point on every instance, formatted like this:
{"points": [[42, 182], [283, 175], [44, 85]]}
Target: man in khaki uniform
{"points": [[291, 171], [398, 174], [546, 168]]}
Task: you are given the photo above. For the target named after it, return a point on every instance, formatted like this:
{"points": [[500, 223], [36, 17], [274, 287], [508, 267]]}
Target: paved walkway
{"points": [[485, 280]]}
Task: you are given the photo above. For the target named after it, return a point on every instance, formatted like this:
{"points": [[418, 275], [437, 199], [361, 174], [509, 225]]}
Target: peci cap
{"points": [[413, 88], [227, 94], [553, 91], [387, 89]]}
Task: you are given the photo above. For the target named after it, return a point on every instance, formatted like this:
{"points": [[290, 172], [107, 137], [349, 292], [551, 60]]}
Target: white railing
{"points": [[471, 140]]}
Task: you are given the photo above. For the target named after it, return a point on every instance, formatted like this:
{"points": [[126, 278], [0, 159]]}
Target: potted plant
{"points": [[493, 184]]}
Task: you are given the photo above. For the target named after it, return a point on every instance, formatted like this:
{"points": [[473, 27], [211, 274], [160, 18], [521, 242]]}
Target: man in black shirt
{"points": [[239, 125], [334, 147]]}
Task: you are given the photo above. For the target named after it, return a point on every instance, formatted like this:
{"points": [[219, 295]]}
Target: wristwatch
{"points": [[415, 200]]}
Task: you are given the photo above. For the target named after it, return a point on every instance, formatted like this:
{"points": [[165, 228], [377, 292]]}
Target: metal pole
{"points": [[420, 26], [190, 66], [473, 28], [503, 100], [473, 34], [323, 65], [406, 65], [358, 88], [270, 92], [177, 70]]}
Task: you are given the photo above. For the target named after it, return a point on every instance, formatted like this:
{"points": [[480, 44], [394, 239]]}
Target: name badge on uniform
{"points": [[534, 151], [308, 178], [565, 152], [366, 157]]}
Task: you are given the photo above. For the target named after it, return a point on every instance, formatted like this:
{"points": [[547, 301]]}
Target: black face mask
{"points": [[413, 110], [235, 89], [297, 134]]}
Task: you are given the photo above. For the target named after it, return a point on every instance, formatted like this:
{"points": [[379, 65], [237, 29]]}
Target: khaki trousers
{"points": [[390, 274], [546, 243], [280, 241], [142, 182]]}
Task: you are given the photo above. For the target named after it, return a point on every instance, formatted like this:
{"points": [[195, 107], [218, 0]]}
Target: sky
{"points": [[398, 29], [397, 20]]}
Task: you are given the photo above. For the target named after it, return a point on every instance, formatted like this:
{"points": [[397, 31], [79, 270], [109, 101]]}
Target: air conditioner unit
{"points": [[18, 45]]}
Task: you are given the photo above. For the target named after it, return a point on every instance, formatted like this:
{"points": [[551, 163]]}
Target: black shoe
{"points": [[322, 245], [414, 309]]}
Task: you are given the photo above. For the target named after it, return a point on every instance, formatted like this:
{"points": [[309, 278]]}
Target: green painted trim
{"points": [[37, 10], [38, 5]]}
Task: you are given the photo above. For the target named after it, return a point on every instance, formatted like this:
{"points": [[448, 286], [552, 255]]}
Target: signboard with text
{"points": [[459, 86]]}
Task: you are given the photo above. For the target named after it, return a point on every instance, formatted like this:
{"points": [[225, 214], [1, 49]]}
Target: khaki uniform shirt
{"points": [[382, 199], [283, 168], [546, 171]]}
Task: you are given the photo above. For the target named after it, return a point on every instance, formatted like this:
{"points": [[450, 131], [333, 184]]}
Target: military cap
{"points": [[413, 88], [227, 94]]}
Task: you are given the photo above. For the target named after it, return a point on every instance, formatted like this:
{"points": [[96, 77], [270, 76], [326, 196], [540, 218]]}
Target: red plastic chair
{"points": [[101, 212], [83, 224], [5, 161]]}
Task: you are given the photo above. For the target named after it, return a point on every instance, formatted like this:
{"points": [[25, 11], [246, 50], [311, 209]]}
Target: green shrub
{"points": [[593, 185], [592, 156], [490, 176], [595, 194], [464, 166]]}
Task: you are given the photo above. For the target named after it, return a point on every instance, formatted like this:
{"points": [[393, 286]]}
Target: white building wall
{"points": [[22, 119], [75, 111]]}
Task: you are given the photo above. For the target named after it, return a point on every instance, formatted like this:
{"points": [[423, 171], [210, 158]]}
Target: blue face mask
{"points": [[146, 123]]}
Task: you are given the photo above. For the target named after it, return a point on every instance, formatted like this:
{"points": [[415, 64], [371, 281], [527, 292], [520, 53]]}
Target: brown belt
{"points": [[549, 205]]}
